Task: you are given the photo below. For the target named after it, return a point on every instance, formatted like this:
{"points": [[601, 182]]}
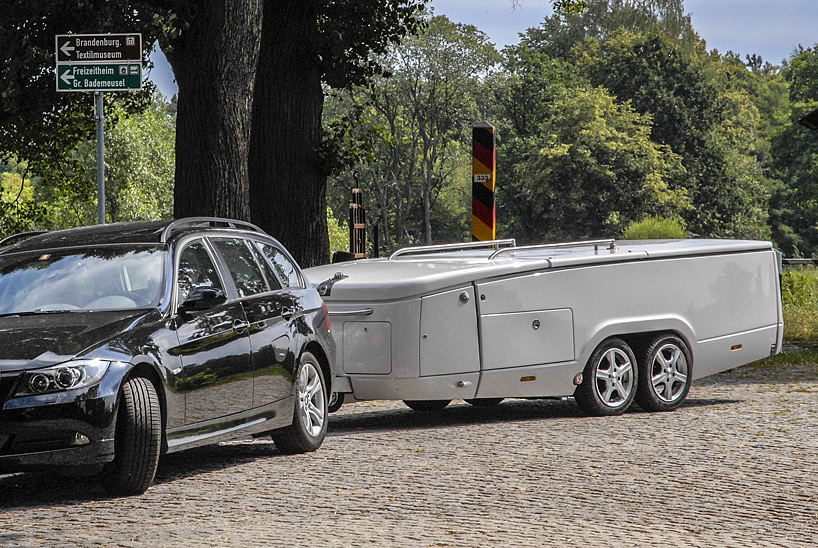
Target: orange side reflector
{"points": [[527, 379], [735, 347]]}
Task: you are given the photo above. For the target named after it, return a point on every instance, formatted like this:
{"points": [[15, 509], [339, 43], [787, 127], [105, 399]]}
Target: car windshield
{"points": [[103, 278]]}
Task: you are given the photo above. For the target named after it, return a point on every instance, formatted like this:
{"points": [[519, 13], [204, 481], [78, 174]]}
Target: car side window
{"points": [[285, 270], [272, 277], [196, 269], [242, 266]]}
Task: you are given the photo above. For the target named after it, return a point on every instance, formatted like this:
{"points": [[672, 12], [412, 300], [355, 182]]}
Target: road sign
{"points": [[98, 48], [99, 62], [99, 77]]}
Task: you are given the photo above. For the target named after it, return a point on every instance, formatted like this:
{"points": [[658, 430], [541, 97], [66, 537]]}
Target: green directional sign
{"points": [[99, 77]]}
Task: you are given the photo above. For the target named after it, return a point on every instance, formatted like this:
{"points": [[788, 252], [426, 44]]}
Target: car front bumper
{"points": [[74, 428]]}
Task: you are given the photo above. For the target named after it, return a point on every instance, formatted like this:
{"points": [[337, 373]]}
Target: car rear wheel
{"points": [[137, 440], [609, 380], [427, 405], [309, 426], [665, 370]]}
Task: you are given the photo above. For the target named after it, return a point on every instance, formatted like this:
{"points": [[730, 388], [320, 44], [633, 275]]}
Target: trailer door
{"points": [[448, 333]]}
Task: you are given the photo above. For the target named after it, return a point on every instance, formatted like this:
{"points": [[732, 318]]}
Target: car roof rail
{"points": [[214, 222], [610, 243], [497, 244], [20, 236]]}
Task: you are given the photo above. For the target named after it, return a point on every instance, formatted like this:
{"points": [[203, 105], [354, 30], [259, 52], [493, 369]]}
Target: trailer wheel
{"points": [[426, 405], [609, 379], [484, 402], [665, 368], [335, 402]]}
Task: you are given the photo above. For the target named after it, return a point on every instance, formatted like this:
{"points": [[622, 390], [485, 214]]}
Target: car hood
{"points": [[45, 339]]}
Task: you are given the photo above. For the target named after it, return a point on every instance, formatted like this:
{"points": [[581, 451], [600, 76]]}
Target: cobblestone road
{"points": [[736, 466]]}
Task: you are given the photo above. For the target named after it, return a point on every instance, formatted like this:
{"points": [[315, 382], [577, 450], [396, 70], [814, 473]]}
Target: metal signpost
{"points": [[99, 63]]}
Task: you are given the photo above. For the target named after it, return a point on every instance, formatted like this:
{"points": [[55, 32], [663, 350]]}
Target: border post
{"points": [[483, 172]]}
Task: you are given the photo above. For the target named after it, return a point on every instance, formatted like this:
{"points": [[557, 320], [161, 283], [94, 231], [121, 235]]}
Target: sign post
{"points": [[483, 211], [98, 63]]}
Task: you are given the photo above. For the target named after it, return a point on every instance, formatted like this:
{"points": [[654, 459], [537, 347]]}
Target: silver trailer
{"points": [[606, 322]]}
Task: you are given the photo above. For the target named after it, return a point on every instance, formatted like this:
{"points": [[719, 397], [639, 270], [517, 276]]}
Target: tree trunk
{"points": [[214, 62], [287, 181]]}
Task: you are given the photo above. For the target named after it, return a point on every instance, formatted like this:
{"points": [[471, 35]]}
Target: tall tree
{"points": [[335, 42], [214, 49], [214, 58]]}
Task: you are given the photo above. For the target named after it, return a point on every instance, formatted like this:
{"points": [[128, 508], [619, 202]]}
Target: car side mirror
{"points": [[202, 298]]}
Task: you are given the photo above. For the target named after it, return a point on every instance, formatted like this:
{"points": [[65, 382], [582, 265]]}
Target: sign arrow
{"points": [[67, 77], [67, 48]]}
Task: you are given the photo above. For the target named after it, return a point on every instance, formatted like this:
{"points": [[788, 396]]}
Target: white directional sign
{"points": [[99, 62]]}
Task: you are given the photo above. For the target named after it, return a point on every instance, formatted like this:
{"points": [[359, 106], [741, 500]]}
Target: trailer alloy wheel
{"points": [[309, 426], [426, 405], [335, 402], [665, 368], [609, 380]]}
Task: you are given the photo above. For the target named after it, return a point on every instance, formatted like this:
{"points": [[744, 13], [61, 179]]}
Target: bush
{"points": [[654, 228], [799, 296]]}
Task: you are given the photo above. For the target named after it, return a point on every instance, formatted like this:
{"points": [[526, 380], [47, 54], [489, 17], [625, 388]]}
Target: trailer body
{"points": [[460, 322]]}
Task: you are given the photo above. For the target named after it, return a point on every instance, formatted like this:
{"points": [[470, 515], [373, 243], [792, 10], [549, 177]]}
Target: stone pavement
{"points": [[737, 465]]}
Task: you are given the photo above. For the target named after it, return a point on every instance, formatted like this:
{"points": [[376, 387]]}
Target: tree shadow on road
{"points": [[44, 489], [511, 410]]}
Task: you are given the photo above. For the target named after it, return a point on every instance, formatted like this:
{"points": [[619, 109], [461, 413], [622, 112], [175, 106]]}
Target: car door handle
{"points": [[287, 312], [240, 325]]}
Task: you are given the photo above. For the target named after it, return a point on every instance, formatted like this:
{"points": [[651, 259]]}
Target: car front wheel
{"points": [[137, 440], [309, 426]]}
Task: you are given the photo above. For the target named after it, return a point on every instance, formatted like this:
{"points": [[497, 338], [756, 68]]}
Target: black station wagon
{"points": [[124, 341]]}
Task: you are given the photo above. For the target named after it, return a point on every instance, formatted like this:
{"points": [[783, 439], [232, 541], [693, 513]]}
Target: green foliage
{"points": [[415, 126], [338, 233], [654, 228], [712, 128], [799, 295], [139, 164]]}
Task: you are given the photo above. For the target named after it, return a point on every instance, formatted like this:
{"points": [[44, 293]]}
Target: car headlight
{"points": [[66, 376]]}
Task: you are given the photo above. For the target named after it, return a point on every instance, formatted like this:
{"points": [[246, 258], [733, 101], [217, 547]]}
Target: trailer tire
{"points": [[335, 402], [609, 380], [484, 402], [665, 370], [426, 405]]}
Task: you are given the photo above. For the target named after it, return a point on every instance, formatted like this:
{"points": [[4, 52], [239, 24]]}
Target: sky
{"points": [[769, 28]]}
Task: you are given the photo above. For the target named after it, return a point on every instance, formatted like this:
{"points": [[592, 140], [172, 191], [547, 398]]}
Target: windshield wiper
{"points": [[36, 312]]}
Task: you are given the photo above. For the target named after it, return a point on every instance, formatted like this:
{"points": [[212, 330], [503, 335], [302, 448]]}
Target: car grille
{"points": [[7, 384]]}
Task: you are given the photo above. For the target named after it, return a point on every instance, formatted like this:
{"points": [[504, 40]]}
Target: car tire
{"points": [[335, 402], [666, 373], [137, 440], [609, 380], [426, 405], [309, 426], [484, 402]]}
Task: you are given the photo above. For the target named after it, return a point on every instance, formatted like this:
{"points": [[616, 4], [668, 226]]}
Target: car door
{"points": [[269, 310], [214, 344]]}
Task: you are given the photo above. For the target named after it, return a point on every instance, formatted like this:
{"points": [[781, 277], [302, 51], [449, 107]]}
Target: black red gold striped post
{"points": [[482, 202]]}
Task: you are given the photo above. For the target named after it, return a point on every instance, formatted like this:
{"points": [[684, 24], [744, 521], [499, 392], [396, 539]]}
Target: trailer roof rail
{"points": [[215, 222], [497, 244], [611, 243], [20, 236]]}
